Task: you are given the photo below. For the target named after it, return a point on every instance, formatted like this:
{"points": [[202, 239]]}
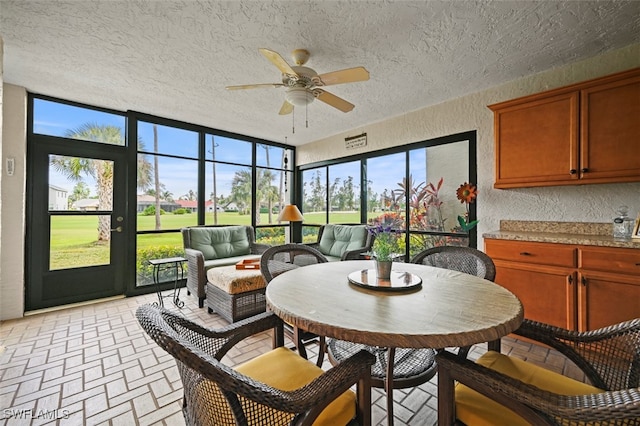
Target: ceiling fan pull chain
{"points": [[293, 121], [306, 115]]}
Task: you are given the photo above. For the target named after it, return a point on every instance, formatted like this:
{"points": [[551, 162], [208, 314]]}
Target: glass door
{"points": [[75, 238]]}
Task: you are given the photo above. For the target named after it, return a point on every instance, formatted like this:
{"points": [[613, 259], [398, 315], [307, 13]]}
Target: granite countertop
{"points": [[580, 233]]}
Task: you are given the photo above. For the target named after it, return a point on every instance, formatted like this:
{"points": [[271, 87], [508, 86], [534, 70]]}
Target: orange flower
{"points": [[467, 193]]}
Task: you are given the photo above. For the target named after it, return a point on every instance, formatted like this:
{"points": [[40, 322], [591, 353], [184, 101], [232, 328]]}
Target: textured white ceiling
{"points": [[174, 58]]}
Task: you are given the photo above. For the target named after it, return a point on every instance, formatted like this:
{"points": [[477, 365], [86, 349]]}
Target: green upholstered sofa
{"points": [[343, 241], [207, 247]]}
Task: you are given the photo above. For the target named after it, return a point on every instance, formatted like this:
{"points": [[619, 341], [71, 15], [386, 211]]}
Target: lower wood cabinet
{"points": [[574, 287]]}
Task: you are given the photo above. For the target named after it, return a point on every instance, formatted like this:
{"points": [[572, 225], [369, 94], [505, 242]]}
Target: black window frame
{"points": [[470, 136]]}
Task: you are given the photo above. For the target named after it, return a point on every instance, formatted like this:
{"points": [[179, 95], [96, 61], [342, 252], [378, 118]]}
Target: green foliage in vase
{"points": [[386, 243]]}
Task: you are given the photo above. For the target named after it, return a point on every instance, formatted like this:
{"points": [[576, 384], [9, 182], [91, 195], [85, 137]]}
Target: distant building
{"points": [[58, 198], [190, 205], [145, 201], [85, 205]]}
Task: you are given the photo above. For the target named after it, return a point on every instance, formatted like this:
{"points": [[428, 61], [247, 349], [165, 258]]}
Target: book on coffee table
{"points": [[248, 264]]}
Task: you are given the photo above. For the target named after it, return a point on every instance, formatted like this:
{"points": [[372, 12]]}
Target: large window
{"points": [[410, 188], [201, 178], [177, 175]]}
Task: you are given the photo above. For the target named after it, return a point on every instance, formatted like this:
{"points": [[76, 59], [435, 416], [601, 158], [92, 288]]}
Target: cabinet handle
{"points": [[638, 264], [573, 171], [585, 170], [570, 278], [525, 253], [584, 281]]}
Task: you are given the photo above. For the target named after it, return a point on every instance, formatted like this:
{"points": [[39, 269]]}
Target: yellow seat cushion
{"points": [[284, 369], [475, 409]]}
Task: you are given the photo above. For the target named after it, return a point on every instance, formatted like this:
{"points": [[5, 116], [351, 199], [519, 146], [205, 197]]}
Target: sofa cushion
{"points": [[223, 242], [473, 408], [337, 239], [226, 261]]}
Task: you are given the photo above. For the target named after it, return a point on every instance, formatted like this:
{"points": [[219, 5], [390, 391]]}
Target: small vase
{"points": [[383, 269]]}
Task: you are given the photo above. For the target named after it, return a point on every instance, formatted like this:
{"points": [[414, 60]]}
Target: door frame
{"points": [[73, 280]]}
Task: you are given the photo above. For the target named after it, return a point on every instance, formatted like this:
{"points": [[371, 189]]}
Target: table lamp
{"points": [[290, 213]]}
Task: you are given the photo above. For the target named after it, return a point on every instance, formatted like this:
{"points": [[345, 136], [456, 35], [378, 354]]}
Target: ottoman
{"points": [[235, 294]]}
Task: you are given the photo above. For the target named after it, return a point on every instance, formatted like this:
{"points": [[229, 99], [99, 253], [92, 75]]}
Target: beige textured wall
{"points": [[583, 203], [12, 219]]}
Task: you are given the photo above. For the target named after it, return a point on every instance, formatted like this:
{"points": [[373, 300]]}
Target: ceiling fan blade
{"points": [[278, 61], [286, 108], [254, 86], [349, 75], [333, 100]]}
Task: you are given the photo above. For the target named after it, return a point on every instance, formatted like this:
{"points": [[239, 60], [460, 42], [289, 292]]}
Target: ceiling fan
{"points": [[303, 85]]}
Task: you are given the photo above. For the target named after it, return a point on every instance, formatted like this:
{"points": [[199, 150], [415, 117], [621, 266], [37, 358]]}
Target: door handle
{"points": [[118, 229]]}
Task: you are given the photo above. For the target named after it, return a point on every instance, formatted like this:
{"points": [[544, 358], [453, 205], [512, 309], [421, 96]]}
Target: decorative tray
{"points": [[399, 281], [248, 264]]}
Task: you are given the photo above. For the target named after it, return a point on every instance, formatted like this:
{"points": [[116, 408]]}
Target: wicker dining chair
{"points": [[277, 260], [413, 367], [498, 389], [462, 259], [276, 388]]}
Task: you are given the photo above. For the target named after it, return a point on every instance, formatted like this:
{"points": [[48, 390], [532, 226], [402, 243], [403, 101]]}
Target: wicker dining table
{"points": [[447, 309]]}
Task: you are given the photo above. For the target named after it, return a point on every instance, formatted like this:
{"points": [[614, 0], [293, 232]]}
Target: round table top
{"points": [[450, 309]]}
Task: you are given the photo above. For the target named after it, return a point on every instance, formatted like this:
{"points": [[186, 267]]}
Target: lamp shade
{"points": [[298, 96], [290, 213]]}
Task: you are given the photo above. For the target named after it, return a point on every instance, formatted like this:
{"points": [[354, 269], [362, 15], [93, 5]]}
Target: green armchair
{"points": [[210, 246], [343, 241]]}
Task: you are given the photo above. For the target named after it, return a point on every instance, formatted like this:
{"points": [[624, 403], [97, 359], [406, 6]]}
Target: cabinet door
{"points": [[609, 139], [606, 299], [536, 141], [547, 294]]}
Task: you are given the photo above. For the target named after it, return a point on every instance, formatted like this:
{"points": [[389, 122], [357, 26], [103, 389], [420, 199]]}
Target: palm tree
{"points": [[101, 170], [268, 192], [241, 190]]}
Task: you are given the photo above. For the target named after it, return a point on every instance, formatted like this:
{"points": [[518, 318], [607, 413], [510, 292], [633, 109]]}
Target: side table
{"points": [[159, 265]]}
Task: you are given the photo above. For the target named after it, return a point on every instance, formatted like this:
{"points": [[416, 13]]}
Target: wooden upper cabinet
{"points": [[584, 133], [538, 140], [610, 134]]}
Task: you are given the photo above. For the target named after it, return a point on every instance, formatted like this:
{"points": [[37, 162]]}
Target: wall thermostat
{"points": [[11, 166]]}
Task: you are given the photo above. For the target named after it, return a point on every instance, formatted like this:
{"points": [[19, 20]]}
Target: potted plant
{"points": [[385, 248]]}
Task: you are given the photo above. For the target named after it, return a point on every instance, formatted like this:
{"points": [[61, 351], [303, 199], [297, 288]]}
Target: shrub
{"points": [[144, 270], [181, 210], [151, 210]]}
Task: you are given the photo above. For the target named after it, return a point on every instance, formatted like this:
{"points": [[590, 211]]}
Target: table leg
{"points": [[156, 281], [388, 384], [176, 290]]}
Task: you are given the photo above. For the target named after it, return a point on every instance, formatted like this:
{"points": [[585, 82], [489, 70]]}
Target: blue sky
{"points": [[180, 175]]}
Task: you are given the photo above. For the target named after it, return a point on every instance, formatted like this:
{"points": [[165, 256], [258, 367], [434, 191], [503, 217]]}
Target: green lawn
{"points": [[74, 238]]}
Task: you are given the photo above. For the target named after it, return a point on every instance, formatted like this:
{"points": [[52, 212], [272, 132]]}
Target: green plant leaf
{"points": [[462, 222], [466, 227]]}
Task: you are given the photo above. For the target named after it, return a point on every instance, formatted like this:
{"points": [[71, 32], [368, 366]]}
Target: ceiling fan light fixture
{"points": [[299, 96]]}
